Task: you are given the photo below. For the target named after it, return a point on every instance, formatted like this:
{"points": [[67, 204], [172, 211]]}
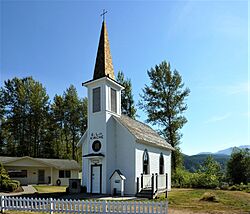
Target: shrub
{"points": [[161, 197], [181, 178], [9, 186], [233, 188], [6, 184], [243, 187], [224, 186], [12, 186], [16, 182], [208, 196]]}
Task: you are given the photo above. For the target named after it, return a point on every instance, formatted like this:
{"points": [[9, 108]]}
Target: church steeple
{"points": [[103, 64]]}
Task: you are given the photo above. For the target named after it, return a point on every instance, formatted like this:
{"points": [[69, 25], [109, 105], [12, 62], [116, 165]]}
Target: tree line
{"points": [[33, 125]]}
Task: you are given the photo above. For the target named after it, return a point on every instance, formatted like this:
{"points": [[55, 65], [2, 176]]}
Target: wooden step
{"points": [[145, 193]]}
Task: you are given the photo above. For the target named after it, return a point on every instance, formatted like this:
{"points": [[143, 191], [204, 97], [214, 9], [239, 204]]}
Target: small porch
{"points": [[149, 186]]}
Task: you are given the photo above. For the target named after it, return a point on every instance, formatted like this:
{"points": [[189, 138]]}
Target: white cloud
{"points": [[218, 118], [234, 89], [238, 88]]}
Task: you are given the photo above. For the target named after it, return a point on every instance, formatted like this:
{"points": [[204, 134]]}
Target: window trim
{"points": [[161, 164], [114, 100], [145, 163]]}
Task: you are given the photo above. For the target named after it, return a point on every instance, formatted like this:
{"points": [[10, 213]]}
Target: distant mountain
{"points": [[230, 150], [193, 162], [205, 153], [227, 151]]}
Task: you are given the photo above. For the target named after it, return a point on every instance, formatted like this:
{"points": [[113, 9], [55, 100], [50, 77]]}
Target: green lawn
{"points": [[229, 201], [49, 189]]}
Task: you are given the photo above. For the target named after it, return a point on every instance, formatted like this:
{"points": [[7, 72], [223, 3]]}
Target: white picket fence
{"points": [[77, 206]]}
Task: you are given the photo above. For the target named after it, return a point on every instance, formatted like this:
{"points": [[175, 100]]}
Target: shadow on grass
{"points": [[64, 195]]}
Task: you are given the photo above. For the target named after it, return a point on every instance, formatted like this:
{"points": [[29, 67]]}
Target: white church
{"points": [[120, 155]]}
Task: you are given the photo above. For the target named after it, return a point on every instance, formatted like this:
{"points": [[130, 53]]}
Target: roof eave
{"points": [[155, 145], [89, 82], [80, 142]]}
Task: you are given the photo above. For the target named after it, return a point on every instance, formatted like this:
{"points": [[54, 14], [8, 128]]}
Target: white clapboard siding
{"points": [[77, 206]]}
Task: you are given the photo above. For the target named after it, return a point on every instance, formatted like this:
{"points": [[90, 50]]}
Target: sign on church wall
{"points": [[94, 136]]}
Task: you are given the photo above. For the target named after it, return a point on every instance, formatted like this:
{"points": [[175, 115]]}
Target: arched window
{"points": [[161, 167], [145, 162]]}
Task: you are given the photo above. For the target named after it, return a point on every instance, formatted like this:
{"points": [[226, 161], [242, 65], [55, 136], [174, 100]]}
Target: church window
{"points": [[161, 167], [113, 100], [145, 162], [96, 99], [96, 146]]}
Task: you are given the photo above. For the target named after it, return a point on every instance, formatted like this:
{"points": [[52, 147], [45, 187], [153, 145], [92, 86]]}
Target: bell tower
{"points": [[104, 100]]}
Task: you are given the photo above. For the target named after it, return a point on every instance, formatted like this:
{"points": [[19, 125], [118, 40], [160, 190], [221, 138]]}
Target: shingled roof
{"points": [[142, 132], [103, 64], [64, 164]]}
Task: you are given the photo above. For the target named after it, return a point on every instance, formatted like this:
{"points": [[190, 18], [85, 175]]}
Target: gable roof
{"points": [[119, 173], [143, 133], [56, 163]]}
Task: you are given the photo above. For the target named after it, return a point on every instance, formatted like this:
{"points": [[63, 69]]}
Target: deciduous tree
{"points": [[164, 101]]}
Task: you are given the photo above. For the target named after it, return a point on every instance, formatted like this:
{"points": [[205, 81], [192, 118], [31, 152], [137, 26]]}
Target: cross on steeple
{"points": [[103, 14]]}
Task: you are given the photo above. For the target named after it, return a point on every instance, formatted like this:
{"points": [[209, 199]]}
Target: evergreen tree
{"points": [[83, 115], [164, 102], [72, 118], [210, 166], [127, 101], [2, 136], [26, 106], [238, 166], [57, 115]]}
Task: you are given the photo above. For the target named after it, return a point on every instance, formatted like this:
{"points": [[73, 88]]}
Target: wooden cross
{"points": [[103, 14]]}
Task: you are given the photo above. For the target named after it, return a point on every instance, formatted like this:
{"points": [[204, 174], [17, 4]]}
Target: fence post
{"points": [[104, 207], [51, 206], [166, 207], [156, 181], [2, 203], [166, 185], [152, 184]]}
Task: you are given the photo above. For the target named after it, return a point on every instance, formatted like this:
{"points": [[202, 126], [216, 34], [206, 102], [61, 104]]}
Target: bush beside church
{"points": [[6, 184]]}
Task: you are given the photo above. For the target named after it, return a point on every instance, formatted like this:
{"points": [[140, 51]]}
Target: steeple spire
{"points": [[103, 64]]}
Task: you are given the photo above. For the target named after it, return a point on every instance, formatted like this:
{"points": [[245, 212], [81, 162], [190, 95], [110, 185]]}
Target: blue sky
{"points": [[206, 41]]}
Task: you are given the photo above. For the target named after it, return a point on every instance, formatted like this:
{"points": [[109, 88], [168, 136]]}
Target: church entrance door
{"points": [[96, 178]]}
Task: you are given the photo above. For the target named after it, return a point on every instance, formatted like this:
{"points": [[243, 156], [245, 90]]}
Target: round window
{"points": [[96, 146]]}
